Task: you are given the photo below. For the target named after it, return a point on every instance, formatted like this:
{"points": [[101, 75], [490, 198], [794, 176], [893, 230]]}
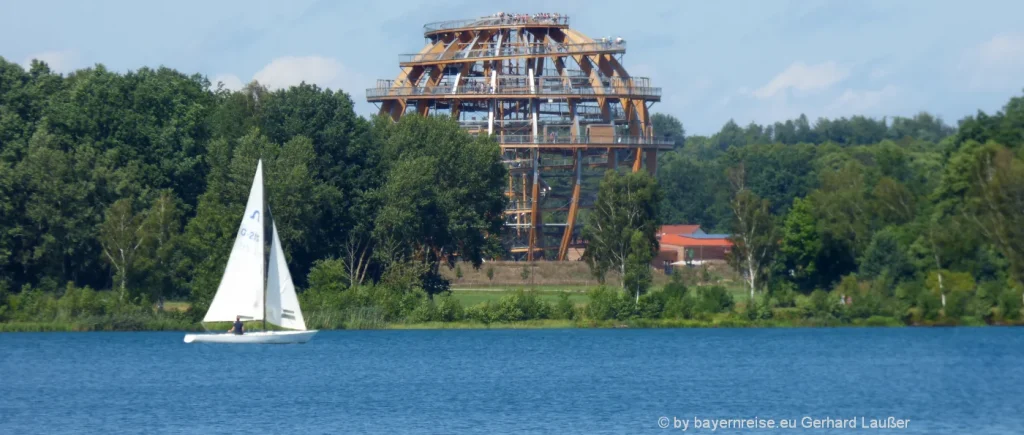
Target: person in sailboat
{"points": [[238, 327]]}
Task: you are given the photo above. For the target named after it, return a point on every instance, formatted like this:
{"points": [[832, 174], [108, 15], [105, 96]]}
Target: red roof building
{"points": [[689, 244]]}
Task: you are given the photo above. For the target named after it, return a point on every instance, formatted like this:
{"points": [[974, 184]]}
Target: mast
{"points": [[263, 240]]}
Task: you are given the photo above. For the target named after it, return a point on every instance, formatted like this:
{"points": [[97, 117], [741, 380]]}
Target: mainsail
{"points": [[241, 288], [282, 304]]}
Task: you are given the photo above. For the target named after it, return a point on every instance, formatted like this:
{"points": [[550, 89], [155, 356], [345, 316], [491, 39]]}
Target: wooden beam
{"points": [[570, 224]]}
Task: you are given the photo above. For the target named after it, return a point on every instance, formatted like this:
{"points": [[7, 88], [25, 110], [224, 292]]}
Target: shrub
{"points": [[479, 313], [783, 295], [1010, 303], [652, 305], [956, 304], [680, 308], [713, 299], [564, 308], [676, 288], [425, 312], [449, 309], [819, 305], [603, 302], [759, 308]]}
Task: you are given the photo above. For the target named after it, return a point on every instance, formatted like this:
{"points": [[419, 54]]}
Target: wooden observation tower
{"points": [[560, 104]]}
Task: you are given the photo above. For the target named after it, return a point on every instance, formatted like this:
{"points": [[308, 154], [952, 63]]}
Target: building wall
{"points": [[699, 252]]}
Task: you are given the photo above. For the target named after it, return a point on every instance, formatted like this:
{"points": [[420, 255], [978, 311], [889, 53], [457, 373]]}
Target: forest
{"points": [[120, 191]]}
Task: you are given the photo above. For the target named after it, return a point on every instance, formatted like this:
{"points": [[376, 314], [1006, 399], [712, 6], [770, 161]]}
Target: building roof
{"points": [[709, 236], [679, 229], [684, 241]]}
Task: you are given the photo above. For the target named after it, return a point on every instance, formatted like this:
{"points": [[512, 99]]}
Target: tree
{"points": [[690, 190], [753, 237], [885, 256], [161, 227], [997, 185], [625, 204], [638, 277], [801, 245], [668, 127], [121, 235], [442, 196]]}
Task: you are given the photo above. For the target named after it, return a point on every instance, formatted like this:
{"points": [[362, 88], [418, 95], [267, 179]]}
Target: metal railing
{"points": [[482, 84], [585, 140], [632, 91], [503, 20], [515, 49]]}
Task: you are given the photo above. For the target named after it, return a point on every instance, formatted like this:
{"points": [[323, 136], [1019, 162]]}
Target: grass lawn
{"points": [[176, 305], [470, 297]]}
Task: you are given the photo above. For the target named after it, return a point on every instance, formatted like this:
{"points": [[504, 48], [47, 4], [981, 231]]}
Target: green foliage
{"points": [[885, 256], [713, 299], [432, 214], [564, 308], [759, 308], [626, 204], [801, 245], [134, 182], [328, 275], [603, 303], [638, 275], [819, 305], [668, 127]]}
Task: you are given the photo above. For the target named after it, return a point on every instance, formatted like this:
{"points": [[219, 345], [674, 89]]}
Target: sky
{"points": [[749, 61]]}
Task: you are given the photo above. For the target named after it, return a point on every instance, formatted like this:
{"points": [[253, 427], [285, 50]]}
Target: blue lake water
{"points": [[944, 380]]}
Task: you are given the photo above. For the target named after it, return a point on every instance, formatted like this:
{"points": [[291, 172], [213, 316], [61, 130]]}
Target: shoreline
{"points": [[14, 327]]}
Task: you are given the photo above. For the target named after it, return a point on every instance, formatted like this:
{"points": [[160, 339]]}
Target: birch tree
{"points": [[625, 204], [753, 235], [121, 235]]}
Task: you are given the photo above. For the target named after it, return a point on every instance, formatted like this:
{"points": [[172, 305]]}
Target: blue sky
{"points": [[759, 61]]}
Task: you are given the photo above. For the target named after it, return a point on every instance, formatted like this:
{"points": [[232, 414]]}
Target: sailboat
{"points": [[254, 287]]}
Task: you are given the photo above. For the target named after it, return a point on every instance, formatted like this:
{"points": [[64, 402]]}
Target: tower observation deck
{"points": [[560, 104]]}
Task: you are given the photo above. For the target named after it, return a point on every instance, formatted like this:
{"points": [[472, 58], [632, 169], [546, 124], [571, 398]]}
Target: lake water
{"points": [[944, 380]]}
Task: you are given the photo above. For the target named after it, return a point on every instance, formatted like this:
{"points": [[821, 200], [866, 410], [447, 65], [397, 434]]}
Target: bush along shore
{"points": [[676, 305]]}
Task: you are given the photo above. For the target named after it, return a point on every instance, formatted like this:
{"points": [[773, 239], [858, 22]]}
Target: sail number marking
{"points": [[251, 235]]}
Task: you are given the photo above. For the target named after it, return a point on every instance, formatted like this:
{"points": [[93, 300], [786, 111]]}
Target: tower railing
{"points": [[583, 140], [498, 20], [483, 89], [515, 49]]}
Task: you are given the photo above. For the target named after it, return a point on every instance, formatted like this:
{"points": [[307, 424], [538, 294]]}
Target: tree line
{"points": [[135, 183], [910, 216]]}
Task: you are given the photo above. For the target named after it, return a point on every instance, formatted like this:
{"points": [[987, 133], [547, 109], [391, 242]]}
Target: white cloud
{"points": [[802, 77], [996, 64], [231, 82], [293, 70], [1002, 50], [860, 102], [64, 61], [287, 71]]}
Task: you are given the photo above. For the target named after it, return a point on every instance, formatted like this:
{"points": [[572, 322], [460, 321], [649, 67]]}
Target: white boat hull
{"points": [[262, 337]]}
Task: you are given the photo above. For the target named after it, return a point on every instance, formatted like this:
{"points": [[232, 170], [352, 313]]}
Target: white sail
{"points": [[241, 288], [282, 304]]}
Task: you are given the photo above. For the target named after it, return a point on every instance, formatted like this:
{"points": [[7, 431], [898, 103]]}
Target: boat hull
{"points": [[262, 337]]}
